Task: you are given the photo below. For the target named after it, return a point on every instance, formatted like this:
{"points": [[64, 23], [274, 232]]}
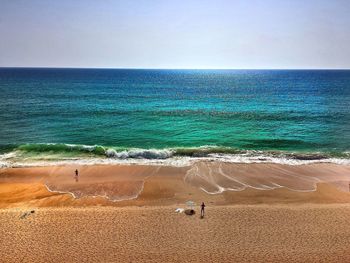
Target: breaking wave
{"points": [[50, 153]]}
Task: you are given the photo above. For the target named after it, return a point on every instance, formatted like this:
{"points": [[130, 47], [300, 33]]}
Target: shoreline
{"points": [[8, 160], [51, 154]]}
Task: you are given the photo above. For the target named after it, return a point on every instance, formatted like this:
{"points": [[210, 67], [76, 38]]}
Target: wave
{"points": [[50, 153], [140, 153], [61, 148]]}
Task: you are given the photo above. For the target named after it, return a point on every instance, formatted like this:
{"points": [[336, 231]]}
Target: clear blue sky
{"points": [[175, 34]]}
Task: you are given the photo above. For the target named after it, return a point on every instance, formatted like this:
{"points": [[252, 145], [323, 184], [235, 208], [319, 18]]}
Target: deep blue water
{"points": [[271, 110]]}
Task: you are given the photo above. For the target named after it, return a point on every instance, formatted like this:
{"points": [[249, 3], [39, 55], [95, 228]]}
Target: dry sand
{"points": [[256, 233], [252, 225]]}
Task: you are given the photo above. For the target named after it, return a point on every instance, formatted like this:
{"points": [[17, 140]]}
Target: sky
{"points": [[235, 34]]}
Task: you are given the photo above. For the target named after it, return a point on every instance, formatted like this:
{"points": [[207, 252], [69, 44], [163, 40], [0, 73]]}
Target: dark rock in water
{"points": [[32, 211], [190, 212]]}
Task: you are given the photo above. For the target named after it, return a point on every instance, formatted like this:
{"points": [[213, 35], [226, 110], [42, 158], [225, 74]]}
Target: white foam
{"points": [[158, 157], [140, 154], [112, 199]]}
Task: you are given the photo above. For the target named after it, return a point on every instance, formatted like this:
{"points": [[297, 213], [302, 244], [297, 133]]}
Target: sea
{"points": [[173, 117]]}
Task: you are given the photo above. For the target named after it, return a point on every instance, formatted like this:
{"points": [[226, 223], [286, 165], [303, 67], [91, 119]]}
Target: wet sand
{"points": [[217, 183], [307, 220]]}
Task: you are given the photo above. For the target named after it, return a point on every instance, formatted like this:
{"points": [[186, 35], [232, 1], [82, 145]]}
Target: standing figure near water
{"points": [[202, 209], [76, 175]]}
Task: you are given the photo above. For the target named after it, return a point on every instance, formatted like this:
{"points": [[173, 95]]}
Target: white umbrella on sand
{"points": [[190, 204]]}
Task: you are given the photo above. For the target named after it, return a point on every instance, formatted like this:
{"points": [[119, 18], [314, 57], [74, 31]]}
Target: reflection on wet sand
{"points": [[170, 184], [216, 177], [120, 184]]}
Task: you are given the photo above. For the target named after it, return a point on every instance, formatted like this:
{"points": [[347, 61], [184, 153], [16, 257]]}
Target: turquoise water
{"points": [[52, 112]]}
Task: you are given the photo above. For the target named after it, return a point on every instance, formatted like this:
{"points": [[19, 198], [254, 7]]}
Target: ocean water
{"points": [[292, 116]]}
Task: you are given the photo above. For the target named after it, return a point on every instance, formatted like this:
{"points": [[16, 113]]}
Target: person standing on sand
{"points": [[202, 209], [76, 175]]}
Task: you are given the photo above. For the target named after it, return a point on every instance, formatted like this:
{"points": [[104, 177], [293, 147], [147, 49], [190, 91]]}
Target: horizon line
{"points": [[136, 68]]}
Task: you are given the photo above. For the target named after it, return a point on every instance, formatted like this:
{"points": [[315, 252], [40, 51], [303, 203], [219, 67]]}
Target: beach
{"points": [[256, 233], [213, 182], [246, 225]]}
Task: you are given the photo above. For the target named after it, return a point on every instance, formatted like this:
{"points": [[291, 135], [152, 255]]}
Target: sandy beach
{"points": [[277, 224], [125, 185], [254, 233]]}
